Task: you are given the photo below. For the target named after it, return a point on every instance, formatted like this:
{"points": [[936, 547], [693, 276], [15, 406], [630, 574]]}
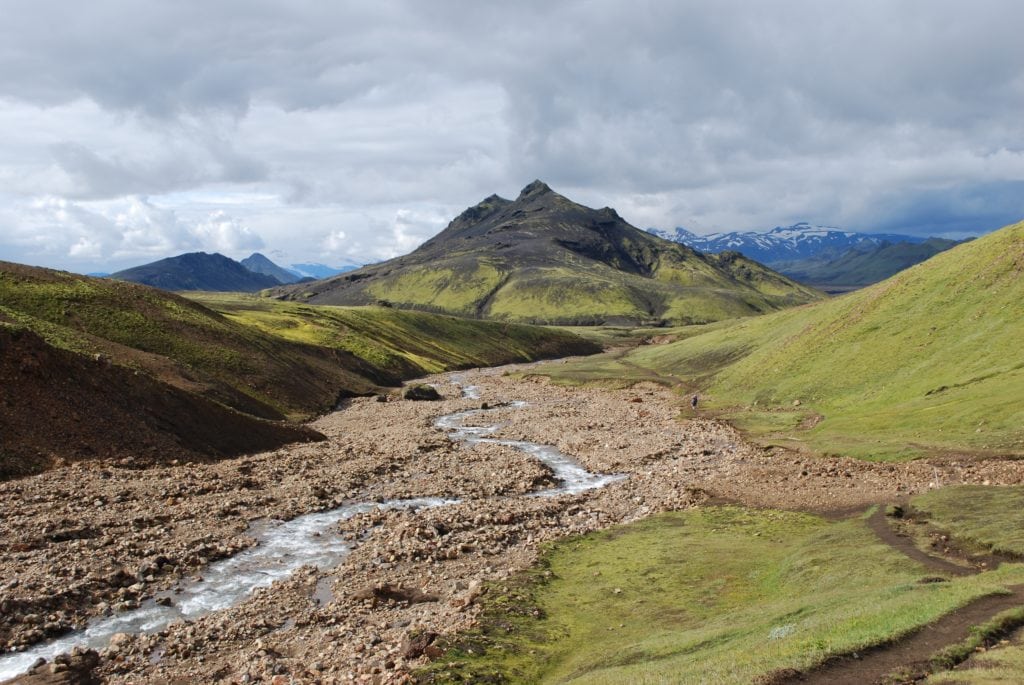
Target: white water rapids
{"points": [[284, 547]]}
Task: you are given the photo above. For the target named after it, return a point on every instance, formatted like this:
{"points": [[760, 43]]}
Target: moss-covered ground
{"points": [[257, 355], [719, 594], [927, 361]]}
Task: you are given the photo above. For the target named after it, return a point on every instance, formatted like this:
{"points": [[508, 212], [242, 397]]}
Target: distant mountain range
{"points": [[215, 272], [822, 256], [782, 243], [320, 270], [197, 271], [542, 258], [864, 263]]}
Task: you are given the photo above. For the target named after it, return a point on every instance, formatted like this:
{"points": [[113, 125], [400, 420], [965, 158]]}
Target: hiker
{"points": [[693, 403]]}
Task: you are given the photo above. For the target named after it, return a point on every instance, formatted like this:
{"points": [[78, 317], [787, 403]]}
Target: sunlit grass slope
{"points": [[991, 518], [718, 594], [931, 359], [405, 343], [262, 357]]}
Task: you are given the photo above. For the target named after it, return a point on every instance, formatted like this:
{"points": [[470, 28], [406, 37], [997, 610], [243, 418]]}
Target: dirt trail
{"points": [[907, 659], [880, 525], [909, 656]]}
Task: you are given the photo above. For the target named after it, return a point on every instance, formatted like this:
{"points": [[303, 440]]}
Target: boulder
{"points": [[422, 392]]}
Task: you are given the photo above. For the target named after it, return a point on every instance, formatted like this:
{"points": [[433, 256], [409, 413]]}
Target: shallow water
{"points": [[284, 547], [281, 549], [572, 477]]}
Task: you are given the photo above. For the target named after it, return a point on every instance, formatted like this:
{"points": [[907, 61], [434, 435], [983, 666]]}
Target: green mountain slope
{"points": [[863, 265], [545, 259], [929, 360], [255, 359], [198, 271]]}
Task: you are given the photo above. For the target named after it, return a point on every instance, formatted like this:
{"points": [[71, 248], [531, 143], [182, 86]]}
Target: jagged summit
{"points": [[536, 188], [544, 258]]}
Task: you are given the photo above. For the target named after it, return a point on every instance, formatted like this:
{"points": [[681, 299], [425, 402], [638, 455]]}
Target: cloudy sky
{"points": [[340, 132]]}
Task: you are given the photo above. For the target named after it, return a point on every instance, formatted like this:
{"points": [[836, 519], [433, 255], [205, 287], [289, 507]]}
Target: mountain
{"points": [[545, 259], [98, 368], [320, 270], [782, 243], [198, 271], [259, 264], [866, 263], [927, 361]]}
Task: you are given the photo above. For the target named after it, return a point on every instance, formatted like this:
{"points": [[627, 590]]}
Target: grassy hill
{"points": [[545, 259], [865, 265], [259, 360], [928, 361]]}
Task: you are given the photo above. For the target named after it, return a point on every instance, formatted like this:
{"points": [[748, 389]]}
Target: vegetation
{"points": [[862, 265], [991, 518], [269, 358], [926, 361], [718, 594], [545, 259], [1000, 666]]}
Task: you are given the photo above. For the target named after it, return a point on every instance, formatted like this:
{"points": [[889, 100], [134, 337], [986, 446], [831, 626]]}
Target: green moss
{"points": [[721, 594], [449, 290], [989, 517], [257, 355], [926, 361]]}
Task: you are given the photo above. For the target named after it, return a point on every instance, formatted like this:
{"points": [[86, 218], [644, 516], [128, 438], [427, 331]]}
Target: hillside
{"points": [[260, 264], [863, 264], [545, 259], [258, 360], [198, 271], [783, 243], [927, 361]]}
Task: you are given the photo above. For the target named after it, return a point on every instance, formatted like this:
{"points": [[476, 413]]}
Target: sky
{"points": [[350, 132]]}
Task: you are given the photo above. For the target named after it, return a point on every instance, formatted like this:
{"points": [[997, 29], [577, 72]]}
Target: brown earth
{"points": [[81, 541], [60, 407]]}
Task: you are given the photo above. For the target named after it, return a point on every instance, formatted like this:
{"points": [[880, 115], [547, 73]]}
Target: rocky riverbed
{"points": [[87, 541]]}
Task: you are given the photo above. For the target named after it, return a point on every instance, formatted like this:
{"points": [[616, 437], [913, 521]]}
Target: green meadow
{"points": [[928, 361], [716, 594]]}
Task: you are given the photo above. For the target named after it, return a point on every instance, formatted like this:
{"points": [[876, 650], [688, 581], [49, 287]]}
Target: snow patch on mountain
{"points": [[782, 243]]}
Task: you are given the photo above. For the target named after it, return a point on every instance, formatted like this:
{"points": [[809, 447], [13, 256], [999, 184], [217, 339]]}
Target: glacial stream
{"points": [[284, 547]]}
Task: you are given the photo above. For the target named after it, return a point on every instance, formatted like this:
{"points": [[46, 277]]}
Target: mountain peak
{"points": [[534, 189]]}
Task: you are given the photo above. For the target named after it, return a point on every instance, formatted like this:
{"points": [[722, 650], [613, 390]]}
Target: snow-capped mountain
{"points": [[782, 243]]}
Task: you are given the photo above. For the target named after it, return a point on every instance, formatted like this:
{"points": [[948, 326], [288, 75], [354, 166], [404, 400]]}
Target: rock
{"points": [[395, 593], [415, 644], [422, 392]]}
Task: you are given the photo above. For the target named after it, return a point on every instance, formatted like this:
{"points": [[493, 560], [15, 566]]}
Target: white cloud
{"points": [[226, 234], [360, 129]]}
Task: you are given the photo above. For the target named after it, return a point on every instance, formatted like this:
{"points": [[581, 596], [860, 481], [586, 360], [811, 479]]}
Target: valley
{"points": [[415, 577]]}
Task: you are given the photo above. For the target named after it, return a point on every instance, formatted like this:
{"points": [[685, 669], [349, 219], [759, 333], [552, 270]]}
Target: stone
{"points": [[421, 393]]}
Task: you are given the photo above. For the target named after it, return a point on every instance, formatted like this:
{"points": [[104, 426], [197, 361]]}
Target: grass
{"points": [[991, 518], [719, 594], [407, 343], [1006, 666], [927, 361], [259, 356]]}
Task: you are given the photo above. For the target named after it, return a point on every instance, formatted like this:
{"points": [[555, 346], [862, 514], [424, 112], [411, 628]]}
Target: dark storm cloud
{"points": [[717, 115]]}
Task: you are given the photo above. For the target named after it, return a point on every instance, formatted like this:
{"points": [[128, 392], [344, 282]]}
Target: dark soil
{"points": [[62, 407], [907, 660]]}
